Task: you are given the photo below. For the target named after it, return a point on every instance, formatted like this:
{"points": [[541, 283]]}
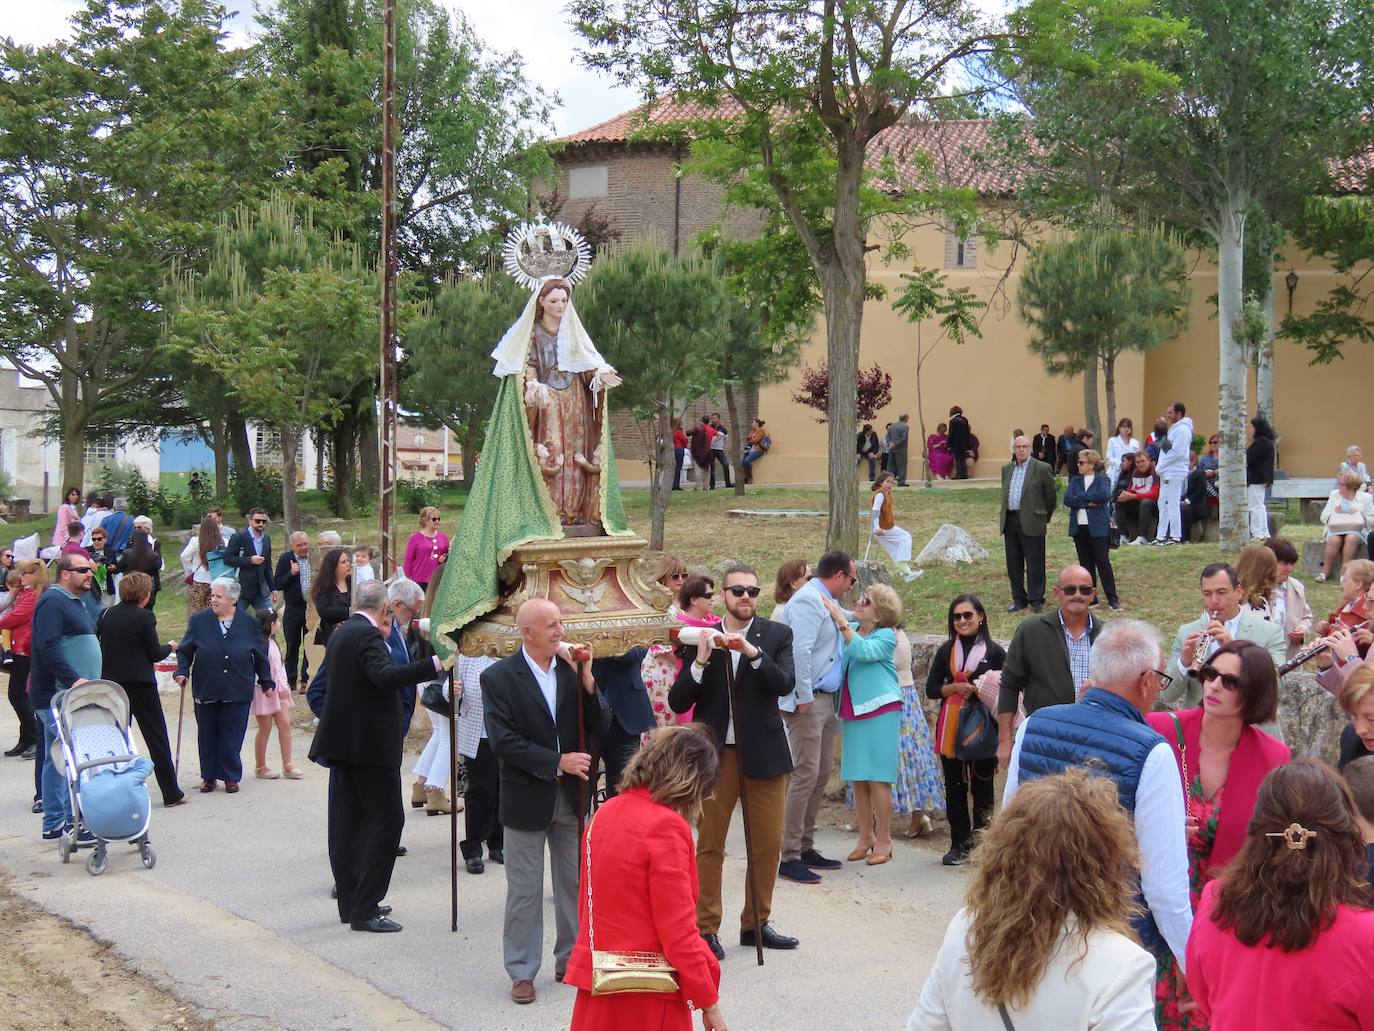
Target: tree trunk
{"points": [[342, 438], [73, 452], [218, 439], [1109, 388], [242, 454], [1234, 521], [369, 442], [926, 476], [470, 444], [317, 435], [1264, 359], [734, 450], [1092, 416], [661, 478], [290, 440]]}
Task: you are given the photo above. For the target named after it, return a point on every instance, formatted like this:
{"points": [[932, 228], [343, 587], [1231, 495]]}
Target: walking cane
{"points": [[453, 789], [744, 806], [577, 653], [181, 716]]}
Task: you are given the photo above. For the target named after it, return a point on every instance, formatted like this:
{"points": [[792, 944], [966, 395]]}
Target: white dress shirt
{"points": [[734, 668], [1232, 628], [1159, 833], [547, 681]]}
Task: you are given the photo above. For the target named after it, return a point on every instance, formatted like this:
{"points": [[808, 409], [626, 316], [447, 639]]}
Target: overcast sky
{"points": [[535, 29]]}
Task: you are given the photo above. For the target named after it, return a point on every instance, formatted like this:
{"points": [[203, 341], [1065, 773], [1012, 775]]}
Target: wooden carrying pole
{"points": [[386, 509], [453, 791]]}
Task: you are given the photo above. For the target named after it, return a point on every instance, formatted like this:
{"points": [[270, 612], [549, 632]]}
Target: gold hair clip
{"points": [[1295, 835]]}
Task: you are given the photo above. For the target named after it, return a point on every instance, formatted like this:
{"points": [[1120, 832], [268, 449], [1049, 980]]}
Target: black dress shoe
{"points": [[377, 925], [381, 911], [334, 892], [713, 943], [400, 851], [497, 855], [771, 938], [475, 864], [1037, 609], [12, 752], [1017, 608], [29, 753]]}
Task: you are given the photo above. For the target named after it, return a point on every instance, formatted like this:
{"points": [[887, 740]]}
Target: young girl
{"points": [[895, 541], [273, 706]]}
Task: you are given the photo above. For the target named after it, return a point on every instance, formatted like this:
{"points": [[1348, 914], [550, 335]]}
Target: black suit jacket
{"points": [[1042, 448], [361, 723], [763, 750], [256, 581], [287, 582], [620, 680], [528, 744], [129, 644]]}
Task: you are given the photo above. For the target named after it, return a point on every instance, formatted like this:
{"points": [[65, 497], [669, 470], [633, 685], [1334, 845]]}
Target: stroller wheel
{"points": [[64, 848], [97, 862], [149, 857]]}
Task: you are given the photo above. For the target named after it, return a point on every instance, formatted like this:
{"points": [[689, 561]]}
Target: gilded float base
{"points": [[601, 585]]}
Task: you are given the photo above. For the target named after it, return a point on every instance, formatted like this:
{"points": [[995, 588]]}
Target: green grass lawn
{"points": [[1155, 584]]}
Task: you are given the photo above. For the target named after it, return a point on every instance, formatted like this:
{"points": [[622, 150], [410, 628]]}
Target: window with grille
{"points": [[960, 251], [98, 450], [267, 447]]}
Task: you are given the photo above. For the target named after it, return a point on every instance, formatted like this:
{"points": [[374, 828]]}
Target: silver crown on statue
{"points": [[537, 250]]}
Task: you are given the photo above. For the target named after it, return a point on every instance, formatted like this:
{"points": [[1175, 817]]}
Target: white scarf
{"points": [[576, 352]]}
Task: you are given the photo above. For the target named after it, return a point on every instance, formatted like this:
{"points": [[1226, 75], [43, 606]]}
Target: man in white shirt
{"points": [[1105, 730], [1173, 474]]}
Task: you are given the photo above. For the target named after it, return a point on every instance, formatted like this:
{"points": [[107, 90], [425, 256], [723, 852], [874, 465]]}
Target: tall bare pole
{"points": [[386, 509]]}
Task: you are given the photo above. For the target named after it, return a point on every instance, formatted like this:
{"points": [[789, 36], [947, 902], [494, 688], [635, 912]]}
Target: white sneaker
{"points": [[1137, 542], [912, 574]]}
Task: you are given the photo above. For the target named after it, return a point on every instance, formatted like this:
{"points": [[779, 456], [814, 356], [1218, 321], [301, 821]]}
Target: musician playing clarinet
{"points": [[753, 745], [1224, 619]]}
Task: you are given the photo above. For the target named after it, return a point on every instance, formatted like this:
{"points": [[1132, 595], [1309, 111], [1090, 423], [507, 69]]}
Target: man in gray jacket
{"points": [[809, 712], [898, 435]]}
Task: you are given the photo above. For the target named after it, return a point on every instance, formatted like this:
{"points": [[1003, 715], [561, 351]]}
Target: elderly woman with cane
{"points": [[223, 655]]}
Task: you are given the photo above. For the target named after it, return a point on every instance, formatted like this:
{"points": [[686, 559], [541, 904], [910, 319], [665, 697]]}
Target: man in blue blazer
{"points": [[620, 681], [249, 553]]}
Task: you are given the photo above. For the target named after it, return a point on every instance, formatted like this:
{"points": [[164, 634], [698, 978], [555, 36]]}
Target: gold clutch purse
{"points": [[617, 973]]}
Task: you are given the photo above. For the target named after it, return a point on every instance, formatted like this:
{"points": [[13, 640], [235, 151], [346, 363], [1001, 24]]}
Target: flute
{"points": [[1203, 647], [1313, 651]]}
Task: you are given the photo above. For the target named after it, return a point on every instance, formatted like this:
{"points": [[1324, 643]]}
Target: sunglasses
{"points": [[708, 595], [259, 522], [1071, 589], [1228, 680], [677, 576], [740, 592], [863, 600], [965, 615], [80, 569], [853, 577], [436, 519]]}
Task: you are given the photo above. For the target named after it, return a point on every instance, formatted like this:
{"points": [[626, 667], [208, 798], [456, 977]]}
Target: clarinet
{"points": [[1203, 647]]}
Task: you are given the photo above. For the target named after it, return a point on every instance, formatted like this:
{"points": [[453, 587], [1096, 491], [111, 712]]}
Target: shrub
{"points": [[257, 488], [413, 495]]}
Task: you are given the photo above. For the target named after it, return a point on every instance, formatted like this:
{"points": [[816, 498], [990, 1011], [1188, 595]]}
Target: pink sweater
{"points": [[1325, 987], [422, 556]]}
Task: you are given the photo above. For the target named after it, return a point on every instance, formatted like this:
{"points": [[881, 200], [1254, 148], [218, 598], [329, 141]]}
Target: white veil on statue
{"points": [[576, 352]]}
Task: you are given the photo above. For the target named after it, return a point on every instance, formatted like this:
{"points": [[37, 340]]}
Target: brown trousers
{"points": [[767, 800]]}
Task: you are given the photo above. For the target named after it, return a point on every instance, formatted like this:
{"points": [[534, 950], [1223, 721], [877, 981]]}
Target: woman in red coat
{"points": [[639, 889], [1224, 754], [1283, 938]]}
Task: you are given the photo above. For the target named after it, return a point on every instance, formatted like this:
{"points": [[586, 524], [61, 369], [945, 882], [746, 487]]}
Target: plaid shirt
{"points": [[1014, 488], [1080, 649]]}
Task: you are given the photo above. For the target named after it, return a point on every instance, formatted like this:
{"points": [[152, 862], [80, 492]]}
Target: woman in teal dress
{"points": [[871, 716]]}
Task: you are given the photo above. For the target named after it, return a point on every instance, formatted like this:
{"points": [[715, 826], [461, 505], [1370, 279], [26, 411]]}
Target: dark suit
{"points": [[293, 618], [255, 581], [619, 679], [129, 647], [1023, 530], [1042, 448], [359, 739], [538, 804], [960, 443], [224, 669], [761, 750]]}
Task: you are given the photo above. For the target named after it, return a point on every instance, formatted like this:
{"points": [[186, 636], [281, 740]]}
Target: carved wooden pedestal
{"points": [[602, 586]]}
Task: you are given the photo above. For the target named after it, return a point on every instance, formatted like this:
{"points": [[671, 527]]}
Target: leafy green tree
{"points": [[288, 315], [1339, 230], [660, 321], [809, 85], [1096, 295], [1240, 107], [119, 148], [448, 367]]}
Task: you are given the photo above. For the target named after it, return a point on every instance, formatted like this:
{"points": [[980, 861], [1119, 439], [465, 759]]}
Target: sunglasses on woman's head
{"points": [[1228, 680], [740, 592]]}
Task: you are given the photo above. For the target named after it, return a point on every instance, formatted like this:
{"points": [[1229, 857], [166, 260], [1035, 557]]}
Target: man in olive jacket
{"points": [[1029, 498]]}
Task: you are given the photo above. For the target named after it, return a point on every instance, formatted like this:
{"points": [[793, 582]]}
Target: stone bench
{"points": [[1312, 552]]}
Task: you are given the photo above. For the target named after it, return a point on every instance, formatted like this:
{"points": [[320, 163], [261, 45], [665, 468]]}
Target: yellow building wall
{"points": [[1001, 386]]}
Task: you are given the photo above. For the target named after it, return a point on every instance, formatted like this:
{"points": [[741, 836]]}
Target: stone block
{"points": [[951, 545], [1312, 557], [1311, 719], [1312, 512]]}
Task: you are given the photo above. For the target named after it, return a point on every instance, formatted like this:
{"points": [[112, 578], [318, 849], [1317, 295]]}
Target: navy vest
{"points": [[1105, 734]]}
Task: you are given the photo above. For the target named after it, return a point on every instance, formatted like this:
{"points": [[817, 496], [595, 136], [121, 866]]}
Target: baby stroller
{"points": [[104, 772]]}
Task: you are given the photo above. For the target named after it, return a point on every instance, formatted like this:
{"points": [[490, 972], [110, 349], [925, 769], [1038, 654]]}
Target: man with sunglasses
{"points": [[810, 711], [752, 746], [1105, 731], [65, 652], [1223, 619], [250, 553], [1047, 662]]}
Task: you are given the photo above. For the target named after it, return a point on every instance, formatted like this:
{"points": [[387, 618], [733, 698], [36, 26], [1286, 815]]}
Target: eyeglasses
{"points": [[740, 592], [1071, 589], [1164, 679], [965, 615], [1228, 680]]}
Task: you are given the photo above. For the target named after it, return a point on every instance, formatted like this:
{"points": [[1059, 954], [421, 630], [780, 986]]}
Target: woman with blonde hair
{"points": [[1348, 515], [870, 716], [427, 548], [1257, 576], [638, 889], [1044, 939], [1283, 938]]}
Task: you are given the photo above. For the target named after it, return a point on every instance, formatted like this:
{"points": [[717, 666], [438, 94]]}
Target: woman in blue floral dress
{"points": [[920, 788]]}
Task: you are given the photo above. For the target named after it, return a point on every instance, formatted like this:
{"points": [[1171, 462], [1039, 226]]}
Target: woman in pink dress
{"points": [[427, 548], [694, 609], [938, 454], [273, 707]]}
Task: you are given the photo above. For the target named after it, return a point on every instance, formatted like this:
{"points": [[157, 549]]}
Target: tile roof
{"points": [[957, 149], [1354, 174]]}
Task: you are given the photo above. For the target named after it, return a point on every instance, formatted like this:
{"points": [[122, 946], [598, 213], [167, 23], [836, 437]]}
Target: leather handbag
{"points": [[1345, 522], [977, 732], [432, 698], [622, 973]]}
